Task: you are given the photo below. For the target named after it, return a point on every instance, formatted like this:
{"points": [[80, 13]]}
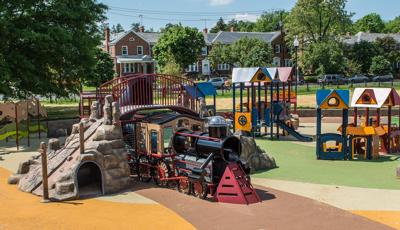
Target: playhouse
{"points": [[265, 99], [332, 146], [371, 135]]}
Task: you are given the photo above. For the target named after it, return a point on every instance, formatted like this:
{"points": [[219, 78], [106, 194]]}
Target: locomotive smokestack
{"points": [[217, 127]]}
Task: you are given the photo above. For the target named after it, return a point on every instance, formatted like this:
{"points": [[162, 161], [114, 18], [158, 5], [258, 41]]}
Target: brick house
{"points": [[132, 51]]}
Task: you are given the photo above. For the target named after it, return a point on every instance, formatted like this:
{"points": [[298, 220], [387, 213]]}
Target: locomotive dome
{"points": [[217, 121]]}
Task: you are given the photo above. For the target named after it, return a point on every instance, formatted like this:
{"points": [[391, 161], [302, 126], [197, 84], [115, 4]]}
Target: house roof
{"points": [[210, 38], [230, 37], [370, 37], [378, 97]]}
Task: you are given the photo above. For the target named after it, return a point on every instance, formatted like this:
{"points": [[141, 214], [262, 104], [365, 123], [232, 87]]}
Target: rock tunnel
{"points": [[89, 180]]}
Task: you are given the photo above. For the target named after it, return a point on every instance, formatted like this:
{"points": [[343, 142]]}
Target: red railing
{"points": [[156, 90]]}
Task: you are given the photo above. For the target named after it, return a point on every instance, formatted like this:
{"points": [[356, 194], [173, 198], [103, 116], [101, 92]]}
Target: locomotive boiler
{"points": [[203, 156]]}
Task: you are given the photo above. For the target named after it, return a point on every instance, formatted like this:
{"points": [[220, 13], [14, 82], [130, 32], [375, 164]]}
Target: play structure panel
{"points": [[243, 121]]}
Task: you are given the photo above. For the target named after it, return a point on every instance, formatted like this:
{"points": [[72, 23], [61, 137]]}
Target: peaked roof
{"points": [[250, 75], [370, 37], [285, 73], [380, 96], [149, 37], [326, 94]]}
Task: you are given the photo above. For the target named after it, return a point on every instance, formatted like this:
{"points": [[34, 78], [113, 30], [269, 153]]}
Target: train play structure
{"points": [[265, 100], [150, 126], [21, 118], [367, 137]]}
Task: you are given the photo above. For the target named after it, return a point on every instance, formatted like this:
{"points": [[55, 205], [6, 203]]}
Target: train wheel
{"points": [[144, 169], [183, 186], [161, 172], [200, 190]]}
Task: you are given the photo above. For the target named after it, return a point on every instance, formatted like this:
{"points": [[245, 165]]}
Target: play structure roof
{"points": [[285, 73], [202, 89], [374, 97], [324, 95], [246, 75]]}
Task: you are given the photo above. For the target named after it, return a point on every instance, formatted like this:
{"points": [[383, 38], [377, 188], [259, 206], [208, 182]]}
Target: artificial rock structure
{"points": [[255, 157], [101, 168]]}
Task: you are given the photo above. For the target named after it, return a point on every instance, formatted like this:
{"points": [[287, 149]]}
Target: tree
{"points": [[245, 52], [317, 20], [103, 71], [135, 26], [232, 24], [220, 26], [323, 57], [166, 27], [47, 47], [245, 26], [371, 22], [380, 65], [352, 67], [117, 28], [269, 21], [180, 45], [387, 47], [393, 26], [362, 53]]}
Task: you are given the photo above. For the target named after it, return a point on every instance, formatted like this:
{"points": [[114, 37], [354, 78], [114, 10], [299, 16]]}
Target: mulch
{"points": [[278, 210]]}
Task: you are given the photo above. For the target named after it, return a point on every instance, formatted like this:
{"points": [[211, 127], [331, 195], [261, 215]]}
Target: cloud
{"points": [[245, 17], [220, 2]]}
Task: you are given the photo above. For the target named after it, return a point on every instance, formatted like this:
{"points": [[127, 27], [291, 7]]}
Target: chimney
{"points": [[107, 40], [205, 30], [232, 29], [141, 29]]}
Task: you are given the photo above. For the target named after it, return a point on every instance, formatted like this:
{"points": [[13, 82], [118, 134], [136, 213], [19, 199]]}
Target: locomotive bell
{"points": [[217, 127]]}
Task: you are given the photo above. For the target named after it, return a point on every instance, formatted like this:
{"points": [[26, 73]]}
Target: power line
{"points": [[192, 13], [141, 17]]}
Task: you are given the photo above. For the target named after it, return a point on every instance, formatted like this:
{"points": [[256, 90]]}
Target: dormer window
{"points": [[140, 50], [124, 50]]}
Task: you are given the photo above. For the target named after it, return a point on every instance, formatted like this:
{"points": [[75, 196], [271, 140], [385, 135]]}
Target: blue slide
{"points": [[293, 132]]}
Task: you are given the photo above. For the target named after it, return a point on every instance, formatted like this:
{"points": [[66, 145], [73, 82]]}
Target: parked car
{"points": [[358, 79], [383, 78], [332, 79], [217, 82]]}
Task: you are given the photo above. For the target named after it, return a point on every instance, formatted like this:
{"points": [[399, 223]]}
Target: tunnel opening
{"points": [[89, 180]]}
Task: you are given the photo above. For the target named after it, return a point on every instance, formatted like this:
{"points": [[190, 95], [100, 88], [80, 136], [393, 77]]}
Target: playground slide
{"points": [[293, 132]]}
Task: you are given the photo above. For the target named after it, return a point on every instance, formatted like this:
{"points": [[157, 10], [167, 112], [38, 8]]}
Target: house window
{"points": [[288, 62], [276, 61], [140, 50], [204, 51], [129, 68], [277, 48], [192, 68], [223, 66], [124, 50]]}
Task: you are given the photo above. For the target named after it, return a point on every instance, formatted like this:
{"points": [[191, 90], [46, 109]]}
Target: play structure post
{"points": [[38, 116], [345, 122], [378, 116], [27, 123], [16, 126], [318, 131], [241, 97], [81, 138], [277, 99], [44, 172], [271, 109], [259, 101], [389, 128], [215, 104], [234, 105]]}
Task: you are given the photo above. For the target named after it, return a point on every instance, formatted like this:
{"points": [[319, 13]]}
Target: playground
{"points": [[293, 169]]}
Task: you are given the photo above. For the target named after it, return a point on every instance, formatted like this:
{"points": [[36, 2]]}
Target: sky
{"points": [[200, 13]]}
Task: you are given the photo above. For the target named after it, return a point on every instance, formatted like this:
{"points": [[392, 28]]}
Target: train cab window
{"points": [[183, 123], [141, 139], [196, 128], [167, 135], [153, 141]]}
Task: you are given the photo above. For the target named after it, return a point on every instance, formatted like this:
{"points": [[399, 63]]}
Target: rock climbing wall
{"points": [[255, 157], [103, 147]]}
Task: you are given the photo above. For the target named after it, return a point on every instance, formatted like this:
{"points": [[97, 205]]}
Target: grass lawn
{"points": [[298, 163]]}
